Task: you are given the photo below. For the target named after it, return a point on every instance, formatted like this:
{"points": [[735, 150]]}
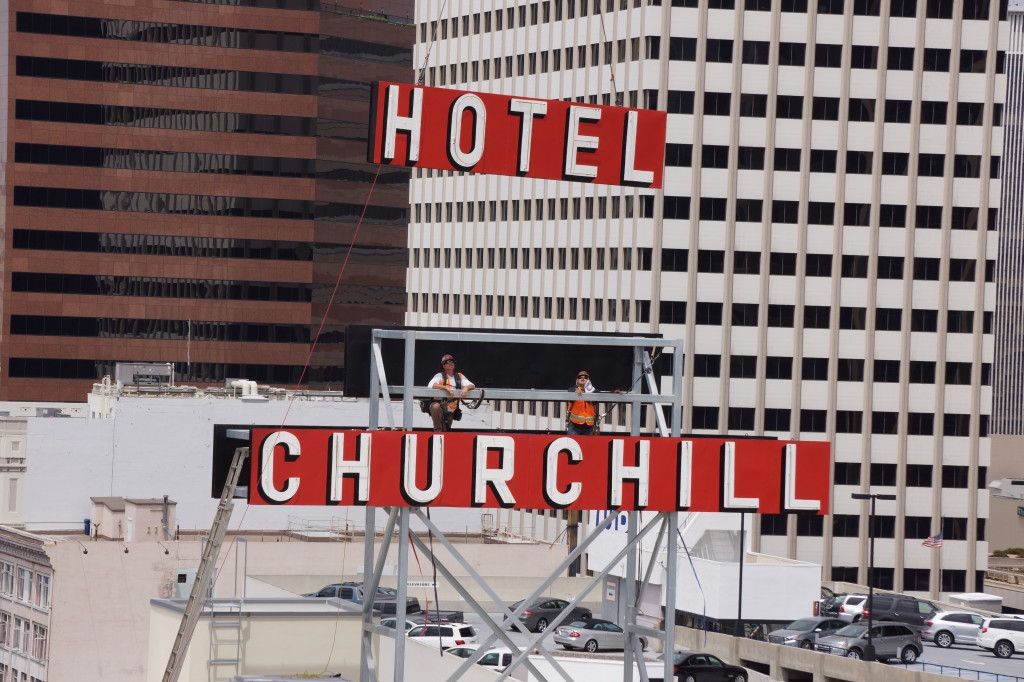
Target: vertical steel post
{"points": [[374, 383], [403, 591], [630, 595], [408, 381], [367, 673], [677, 388], [671, 567]]}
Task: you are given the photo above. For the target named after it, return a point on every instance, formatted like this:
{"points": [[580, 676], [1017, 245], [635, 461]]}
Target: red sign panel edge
{"points": [[458, 130], [340, 467]]}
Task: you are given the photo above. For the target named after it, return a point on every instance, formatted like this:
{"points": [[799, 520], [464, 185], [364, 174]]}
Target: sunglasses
{"points": [[449, 362], [583, 376]]}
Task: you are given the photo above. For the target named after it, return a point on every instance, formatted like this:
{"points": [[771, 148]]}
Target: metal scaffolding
{"points": [[381, 395]]}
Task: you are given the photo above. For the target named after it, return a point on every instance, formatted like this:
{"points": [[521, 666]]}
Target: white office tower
{"points": [[824, 243], [1008, 382]]}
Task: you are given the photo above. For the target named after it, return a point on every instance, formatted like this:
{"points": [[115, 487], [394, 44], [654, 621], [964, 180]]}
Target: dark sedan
{"points": [[545, 610], [695, 666]]}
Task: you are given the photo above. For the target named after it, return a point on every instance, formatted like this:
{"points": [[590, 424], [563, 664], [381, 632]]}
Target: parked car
{"points": [[947, 628], [899, 608], [841, 606], [852, 608], [383, 601], [545, 610], [804, 632], [497, 658], [591, 635], [695, 666], [444, 635], [1002, 636], [390, 623], [891, 640]]}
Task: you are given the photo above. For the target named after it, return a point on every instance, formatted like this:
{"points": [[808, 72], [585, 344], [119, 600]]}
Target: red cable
{"points": [[188, 639]]}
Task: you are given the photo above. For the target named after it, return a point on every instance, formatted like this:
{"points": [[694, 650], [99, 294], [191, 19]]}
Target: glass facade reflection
{"points": [[168, 119]]}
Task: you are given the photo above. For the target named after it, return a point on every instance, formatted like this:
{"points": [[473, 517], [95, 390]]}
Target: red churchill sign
{"points": [[328, 467], [496, 134]]}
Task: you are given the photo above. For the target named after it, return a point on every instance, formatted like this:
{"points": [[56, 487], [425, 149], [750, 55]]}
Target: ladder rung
{"points": [[226, 624], [224, 661]]}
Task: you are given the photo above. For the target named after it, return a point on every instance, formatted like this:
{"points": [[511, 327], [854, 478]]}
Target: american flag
{"points": [[933, 541]]}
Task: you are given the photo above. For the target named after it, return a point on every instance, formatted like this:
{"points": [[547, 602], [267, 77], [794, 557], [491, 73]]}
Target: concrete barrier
{"points": [[791, 664]]}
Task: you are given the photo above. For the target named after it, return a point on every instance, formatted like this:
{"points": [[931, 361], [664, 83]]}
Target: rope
{"points": [[433, 38], [611, 70]]}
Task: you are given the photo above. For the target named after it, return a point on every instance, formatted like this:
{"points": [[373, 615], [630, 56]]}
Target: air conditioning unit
{"points": [[185, 578]]}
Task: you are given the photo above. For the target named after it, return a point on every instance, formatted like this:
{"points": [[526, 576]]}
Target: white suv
{"points": [[1002, 636], [446, 635]]}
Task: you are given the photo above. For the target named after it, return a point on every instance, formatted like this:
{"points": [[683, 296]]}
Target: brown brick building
{"points": [[182, 182]]}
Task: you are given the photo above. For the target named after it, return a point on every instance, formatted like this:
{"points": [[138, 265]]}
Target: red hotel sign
{"points": [[503, 135], [327, 467]]}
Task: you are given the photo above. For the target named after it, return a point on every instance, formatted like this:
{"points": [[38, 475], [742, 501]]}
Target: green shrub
{"points": [[1000, 553]]}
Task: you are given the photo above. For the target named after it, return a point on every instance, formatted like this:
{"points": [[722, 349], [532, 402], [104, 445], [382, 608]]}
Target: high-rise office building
{"points": [[183, 181], [1008, 382], [824, 243]]}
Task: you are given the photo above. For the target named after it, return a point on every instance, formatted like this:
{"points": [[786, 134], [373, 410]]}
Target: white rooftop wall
{"points": [[164, 446]]}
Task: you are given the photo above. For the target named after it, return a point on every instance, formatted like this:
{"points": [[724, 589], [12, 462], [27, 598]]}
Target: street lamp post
{"points": [[869, 650]]}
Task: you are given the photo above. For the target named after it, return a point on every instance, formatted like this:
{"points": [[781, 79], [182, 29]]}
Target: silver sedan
{"points": [[591, 635]]}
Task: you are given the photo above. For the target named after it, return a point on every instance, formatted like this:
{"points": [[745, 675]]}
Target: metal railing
{"points": [[958, 672]]}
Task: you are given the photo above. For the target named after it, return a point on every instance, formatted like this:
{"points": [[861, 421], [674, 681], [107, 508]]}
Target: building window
{"points": [[845, 525], [39, 642], [810, 525], [741, 418], [919, 476], [24, 584], [917, 579], [705, 417], [42, 591], [778, 367], [847, 473], [776, 419], [774, 524]]}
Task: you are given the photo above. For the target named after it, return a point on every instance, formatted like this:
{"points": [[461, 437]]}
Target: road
{"points": [[970, 658]]}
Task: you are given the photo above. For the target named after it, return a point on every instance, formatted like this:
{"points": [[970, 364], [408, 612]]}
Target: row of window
{"points": [[160, 287], [164, 202], [555, 10], [826, 161], [820, 265], [826, 55], [785, 211], [707, 313], [24, 636], [917, 475], [166, 119], [847, 369], [198, 372], [204, 204], [914, 579], [161, 32], [523, 15], [186, 246], [934, 9], [846, 421], [163, 161], [167, 76], [561, 258], [716, 51], [848, 526], [565, 208], [308, 5], [177, 330], [862, 110], [25, 585], [546, 307], [821, 317]]}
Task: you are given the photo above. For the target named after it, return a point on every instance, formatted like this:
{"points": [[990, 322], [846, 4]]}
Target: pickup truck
{"points": [[385, 601]]}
